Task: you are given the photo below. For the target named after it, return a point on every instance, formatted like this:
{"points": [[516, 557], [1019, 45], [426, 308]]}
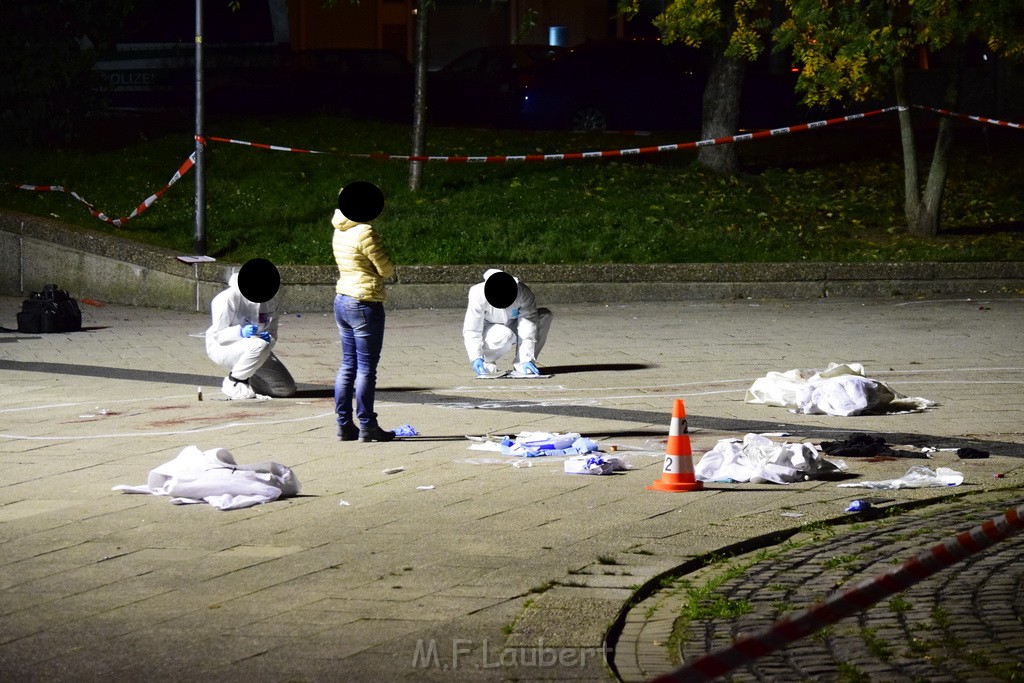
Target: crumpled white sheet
{"points": [[917, 477], [841, 389], [213, 477], [760, 459]]}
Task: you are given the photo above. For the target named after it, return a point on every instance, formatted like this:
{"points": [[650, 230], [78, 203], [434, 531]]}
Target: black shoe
{"points": [[348, 432], [376, 434]]}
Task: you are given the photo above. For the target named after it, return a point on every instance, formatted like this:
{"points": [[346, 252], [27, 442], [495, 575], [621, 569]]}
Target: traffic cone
{"points": [[678, 472]]}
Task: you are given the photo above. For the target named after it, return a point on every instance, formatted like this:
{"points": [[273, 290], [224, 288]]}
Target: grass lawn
{"points": [[832, 194]]}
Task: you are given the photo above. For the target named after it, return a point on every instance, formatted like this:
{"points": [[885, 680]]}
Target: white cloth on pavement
{"points": [[841, 389], [213, 477], [759, 459]]}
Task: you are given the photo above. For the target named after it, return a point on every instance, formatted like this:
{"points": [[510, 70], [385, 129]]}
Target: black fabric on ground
{"points": [[857, 445]]}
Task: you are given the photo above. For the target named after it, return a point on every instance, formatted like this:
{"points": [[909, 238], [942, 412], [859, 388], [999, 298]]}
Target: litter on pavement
{"points": [[213, 477], [857, 445], [874, 448], [841, 389], [594, 464], [917, 477], [867, 503], [535, 444], [758, 459]]}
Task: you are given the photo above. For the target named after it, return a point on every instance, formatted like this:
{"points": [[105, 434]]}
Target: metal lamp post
{"points": [[199, 238]]}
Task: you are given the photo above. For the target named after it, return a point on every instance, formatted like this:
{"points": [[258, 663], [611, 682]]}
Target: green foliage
{"points": [[876, 645], [844, 48], [716, 606], [739, 28], [899, 605], [848, 49], [527, 23], [845, 562], [849, 673], [823, 634]]}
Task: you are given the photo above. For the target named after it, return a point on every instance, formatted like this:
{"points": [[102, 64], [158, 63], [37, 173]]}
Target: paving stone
{"points": [[95, 581]]}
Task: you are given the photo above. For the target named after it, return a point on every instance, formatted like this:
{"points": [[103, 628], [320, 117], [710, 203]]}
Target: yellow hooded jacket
{"points": [[363, 264]]}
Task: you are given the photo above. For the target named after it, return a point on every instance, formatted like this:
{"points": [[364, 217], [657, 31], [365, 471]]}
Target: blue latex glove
{"points": [[478, 366], [529, 368], [265, 336], [249, 330]]}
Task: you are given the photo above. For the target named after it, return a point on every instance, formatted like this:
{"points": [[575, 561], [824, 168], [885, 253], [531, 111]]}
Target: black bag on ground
{"points": [[50, 310]]}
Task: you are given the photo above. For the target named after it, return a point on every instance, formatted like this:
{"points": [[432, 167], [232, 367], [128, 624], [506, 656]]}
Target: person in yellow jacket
{"points": [[363, 266]]}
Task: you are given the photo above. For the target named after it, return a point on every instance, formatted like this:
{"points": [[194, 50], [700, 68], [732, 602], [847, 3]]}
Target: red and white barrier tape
{"points": [[148, 202], [505, 158], [850, 601], [275, 148], [574, 156], [499, 159], [968, 117]]}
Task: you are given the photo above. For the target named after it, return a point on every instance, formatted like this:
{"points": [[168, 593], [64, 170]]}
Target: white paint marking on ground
{"points": [[619, 388], [111, 401], [135, 435], [954, 301], [575, 399]]}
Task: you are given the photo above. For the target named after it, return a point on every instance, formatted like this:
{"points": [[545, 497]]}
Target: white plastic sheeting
{"points": [[213, 477], [841, 389], [917, 477], [758, 459]]}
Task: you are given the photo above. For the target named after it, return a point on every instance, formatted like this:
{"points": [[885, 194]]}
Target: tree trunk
{"points": [[419, 113], [721, 112], [928, 220], [911, 183]]}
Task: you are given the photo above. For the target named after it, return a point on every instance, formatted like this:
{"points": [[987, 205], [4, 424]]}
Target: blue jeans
{"points": [[361, 326]]}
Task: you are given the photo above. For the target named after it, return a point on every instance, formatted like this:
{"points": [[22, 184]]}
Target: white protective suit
{"points": [[490, 332], [247, 358]]}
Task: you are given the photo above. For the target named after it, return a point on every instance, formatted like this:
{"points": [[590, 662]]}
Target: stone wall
{"points": [[35, 251]]}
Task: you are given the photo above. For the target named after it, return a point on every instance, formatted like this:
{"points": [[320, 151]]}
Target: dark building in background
{"points": [[272, 52]]}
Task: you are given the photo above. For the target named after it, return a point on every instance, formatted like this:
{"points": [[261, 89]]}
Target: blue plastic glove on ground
{"points": [[478, 366], [530, 368], [249, 330], [406, 430]]}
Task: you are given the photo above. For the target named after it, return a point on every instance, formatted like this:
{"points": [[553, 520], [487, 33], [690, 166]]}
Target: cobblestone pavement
{"points": [[965, 623]]}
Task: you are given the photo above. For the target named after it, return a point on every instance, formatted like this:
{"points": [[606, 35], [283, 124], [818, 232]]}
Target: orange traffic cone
{"points": [[678, 472]]}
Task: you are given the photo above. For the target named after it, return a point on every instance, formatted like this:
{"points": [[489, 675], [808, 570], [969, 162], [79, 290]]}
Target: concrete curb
{"points": [[35, 251]]}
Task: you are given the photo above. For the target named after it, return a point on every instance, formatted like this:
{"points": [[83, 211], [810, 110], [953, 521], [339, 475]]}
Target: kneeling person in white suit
{"points": [[243, 334], [503, 313]]}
